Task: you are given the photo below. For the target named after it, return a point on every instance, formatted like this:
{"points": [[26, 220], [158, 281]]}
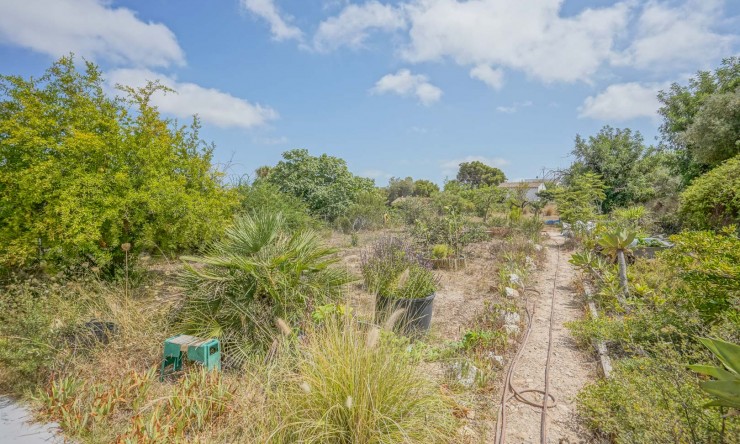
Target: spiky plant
{"points": [[258, 272], [616, 244], [725, 389]]}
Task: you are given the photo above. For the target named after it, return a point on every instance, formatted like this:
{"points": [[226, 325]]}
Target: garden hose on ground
{"points": [[548, 401]]}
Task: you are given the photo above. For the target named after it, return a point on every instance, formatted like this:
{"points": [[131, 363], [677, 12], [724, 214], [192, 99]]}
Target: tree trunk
{"points": [[623, 277]]}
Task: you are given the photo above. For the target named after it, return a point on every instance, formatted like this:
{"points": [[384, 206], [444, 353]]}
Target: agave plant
{"points": [[616, 245], [258, 272], [725, 388]]}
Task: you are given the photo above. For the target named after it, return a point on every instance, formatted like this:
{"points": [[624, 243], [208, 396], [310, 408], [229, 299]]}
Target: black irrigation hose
{"points": [[548, 401]]}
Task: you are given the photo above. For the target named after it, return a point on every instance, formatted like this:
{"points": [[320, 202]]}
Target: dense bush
{"points": [[264, 197], [690, 291], [392, 267], [260, 271], [82, 174], [368, 212], [324, 183], [713, 200]]}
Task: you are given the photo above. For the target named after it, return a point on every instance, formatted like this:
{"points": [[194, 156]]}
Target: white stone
{"points": [[511, 293], [515, 279], [465, 373]]}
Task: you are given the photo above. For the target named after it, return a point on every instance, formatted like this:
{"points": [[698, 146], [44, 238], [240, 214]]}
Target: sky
{"points": [[396, 88]]}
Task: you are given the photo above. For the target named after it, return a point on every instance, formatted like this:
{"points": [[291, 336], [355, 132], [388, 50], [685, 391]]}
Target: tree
{"points": [[684, 105], [712, 201], [714, 135], [81, 174], [425, 188], [622, 161], [476, 174], [398, 187], [485, 198], [581, 199], [324, 183]]}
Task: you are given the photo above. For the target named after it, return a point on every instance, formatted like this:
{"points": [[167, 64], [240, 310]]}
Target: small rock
{"points": [[515, 279], [511, 317], [538, 247], [511, 293], [466, 432], [497, 358], [465, 373], [470, 414]]}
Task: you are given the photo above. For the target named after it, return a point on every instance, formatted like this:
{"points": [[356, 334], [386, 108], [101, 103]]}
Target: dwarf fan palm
{"points": [[258, 272], [616, 244]]}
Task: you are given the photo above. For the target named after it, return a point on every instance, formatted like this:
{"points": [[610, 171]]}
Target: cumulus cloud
{"points": [[267, 11], [89, 28], [451, 166], [211, 105], [491, 77], [531, 36], [353, 24], [514, 107], [405, 84], [623, 101], [672, 37]]}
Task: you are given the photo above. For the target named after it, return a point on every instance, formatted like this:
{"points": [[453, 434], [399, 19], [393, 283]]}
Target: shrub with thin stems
{"points": [[393, 268], [352, 386], [259, 271]]}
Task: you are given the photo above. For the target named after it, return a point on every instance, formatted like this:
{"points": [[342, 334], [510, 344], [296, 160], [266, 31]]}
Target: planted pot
{"points": [[417, 316], [449, 263]]}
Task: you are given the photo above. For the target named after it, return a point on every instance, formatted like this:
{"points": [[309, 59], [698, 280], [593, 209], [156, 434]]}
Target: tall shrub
{"points": [[83, 173], [713, 200]]}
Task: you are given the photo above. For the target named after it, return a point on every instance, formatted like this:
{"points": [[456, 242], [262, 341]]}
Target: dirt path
{"points": [[570, 368]]}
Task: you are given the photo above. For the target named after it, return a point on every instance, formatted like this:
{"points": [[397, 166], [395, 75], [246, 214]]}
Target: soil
{"points": [[570, 368]]}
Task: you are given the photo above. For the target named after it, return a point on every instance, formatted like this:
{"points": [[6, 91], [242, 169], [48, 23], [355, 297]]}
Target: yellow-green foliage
{"points": [[82, 173], [713, 200], [354, 387]]}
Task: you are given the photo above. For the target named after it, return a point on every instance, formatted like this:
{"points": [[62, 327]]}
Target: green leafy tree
{"points": [[324, 183], [698, 123], [477, 173], [398, 187], [81, 174], [623, 162], [712, 201], [425, 188], [485, 198], [581, 199]]}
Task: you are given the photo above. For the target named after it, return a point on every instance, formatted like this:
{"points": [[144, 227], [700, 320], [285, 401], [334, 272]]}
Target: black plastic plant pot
{"points": [[417, 316]]}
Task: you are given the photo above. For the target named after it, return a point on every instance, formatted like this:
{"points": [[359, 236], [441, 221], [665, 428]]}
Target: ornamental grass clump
{"points": [[393, 268], [261, 270], [350, 387]]}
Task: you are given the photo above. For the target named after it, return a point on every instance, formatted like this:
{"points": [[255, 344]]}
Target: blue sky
{"points": [[397, 88]]}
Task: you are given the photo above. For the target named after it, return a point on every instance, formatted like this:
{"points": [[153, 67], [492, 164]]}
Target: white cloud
{"points": [[89, 28], [491, 77], [266, 10], [529, 36], [282, 140], [406, 84], [623, 101], [351, 27], [669, 37], [451, 166], [211, 105], [516, 106]]}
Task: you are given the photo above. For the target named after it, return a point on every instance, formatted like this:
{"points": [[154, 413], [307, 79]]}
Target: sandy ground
{"points": [[570, 368], [460, 295]]}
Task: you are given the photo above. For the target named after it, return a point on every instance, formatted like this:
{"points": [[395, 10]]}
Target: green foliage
{"points": [[368, 212], [712, 201], [708, 264], [264, 197], [425, 188], [398, 187], [726, 388], [322, 313], [458, 202], [486, 198], [411, 209], [620, 158], [442, 251], [324, 183], [652, 400], [581, 199], [82, 174], [614, 242], [697, 119], [259, 271], [476, 174], [348, 387]]}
